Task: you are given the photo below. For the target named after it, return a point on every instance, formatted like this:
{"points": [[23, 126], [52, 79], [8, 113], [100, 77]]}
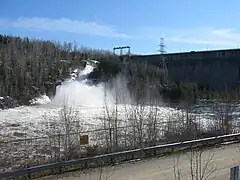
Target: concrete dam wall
{"points": [[213, 69]]}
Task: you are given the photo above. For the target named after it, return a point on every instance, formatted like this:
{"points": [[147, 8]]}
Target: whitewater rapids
{"points": [[88, 103]]}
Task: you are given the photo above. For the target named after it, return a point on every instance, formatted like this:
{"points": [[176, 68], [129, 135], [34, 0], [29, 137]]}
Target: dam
{"points": [[216, 69]]}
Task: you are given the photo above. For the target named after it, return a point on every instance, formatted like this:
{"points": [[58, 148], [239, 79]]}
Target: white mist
{"points": [[79, 93]]}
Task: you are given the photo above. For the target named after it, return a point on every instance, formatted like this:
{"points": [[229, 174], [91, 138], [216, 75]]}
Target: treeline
{"points": [[29, 68]]}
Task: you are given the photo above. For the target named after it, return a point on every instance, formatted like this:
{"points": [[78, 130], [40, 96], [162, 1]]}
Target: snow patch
{"points": [[44, 99], [75, 71]]}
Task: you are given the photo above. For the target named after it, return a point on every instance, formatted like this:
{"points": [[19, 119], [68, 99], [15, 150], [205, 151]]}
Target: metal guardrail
{"points": [[136, 153]]}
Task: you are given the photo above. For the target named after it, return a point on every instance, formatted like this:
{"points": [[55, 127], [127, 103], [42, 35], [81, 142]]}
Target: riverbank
{"points": [[8, 102]]}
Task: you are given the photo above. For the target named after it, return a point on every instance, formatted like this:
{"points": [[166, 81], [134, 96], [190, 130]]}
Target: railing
{"points": [[118, 157], [27, 152]]}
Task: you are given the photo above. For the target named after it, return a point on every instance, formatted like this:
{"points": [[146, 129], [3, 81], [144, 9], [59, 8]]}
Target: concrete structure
{"points": [[213, 69]]}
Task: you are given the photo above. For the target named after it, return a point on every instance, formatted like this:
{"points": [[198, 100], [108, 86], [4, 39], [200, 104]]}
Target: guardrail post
{"points": [[234, 173], [86, 165], [112, 161]]}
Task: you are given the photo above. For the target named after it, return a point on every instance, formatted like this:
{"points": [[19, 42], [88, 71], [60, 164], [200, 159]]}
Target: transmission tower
{"points": [[163, 63]]}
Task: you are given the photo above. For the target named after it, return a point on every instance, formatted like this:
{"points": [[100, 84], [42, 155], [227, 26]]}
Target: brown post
{"points": [[226, 126]]}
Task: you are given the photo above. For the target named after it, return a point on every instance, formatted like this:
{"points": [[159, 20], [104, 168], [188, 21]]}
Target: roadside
{"points": [[161, 168]]}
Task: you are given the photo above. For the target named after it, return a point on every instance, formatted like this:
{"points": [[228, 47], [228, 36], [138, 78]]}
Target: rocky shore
{"points": [[8, 102]]}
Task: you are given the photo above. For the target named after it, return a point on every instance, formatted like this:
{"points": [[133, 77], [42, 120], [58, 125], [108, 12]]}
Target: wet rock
{"points": [[13, 125], [59, 82], [19, 134], [8, 102]]}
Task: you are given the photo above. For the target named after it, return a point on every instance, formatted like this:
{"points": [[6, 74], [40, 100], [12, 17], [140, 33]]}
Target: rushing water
{"points": [[86, 106], [89, 105]]}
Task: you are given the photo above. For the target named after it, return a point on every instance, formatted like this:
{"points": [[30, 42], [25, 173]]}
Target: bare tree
{"points": [[224, 118], [64, 131], [201, 165], [182, 126]]}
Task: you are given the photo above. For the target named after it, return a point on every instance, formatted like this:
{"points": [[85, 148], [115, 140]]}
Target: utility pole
{"points": [[163, 60], [121, 51]]}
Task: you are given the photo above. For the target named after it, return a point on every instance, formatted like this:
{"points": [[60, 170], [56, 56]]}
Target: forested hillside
{"points": [[29, 68]]}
